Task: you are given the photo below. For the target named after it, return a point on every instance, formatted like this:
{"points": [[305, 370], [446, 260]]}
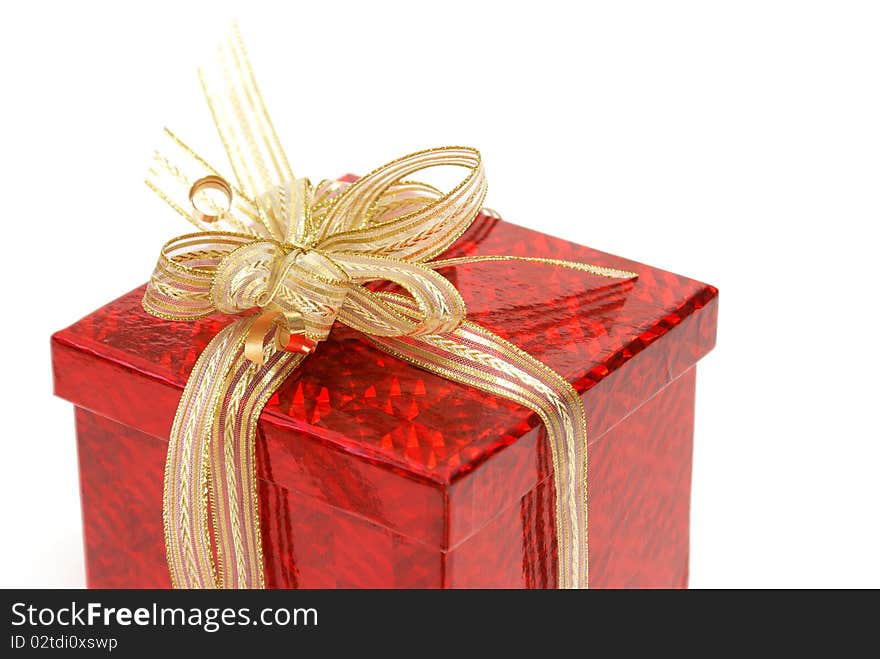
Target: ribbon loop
{"points": [[180, 287], [245, 277], [419, 234], [441, 308]]}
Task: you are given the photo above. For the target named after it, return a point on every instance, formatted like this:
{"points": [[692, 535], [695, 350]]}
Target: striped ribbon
{"points": [[302, 254]]}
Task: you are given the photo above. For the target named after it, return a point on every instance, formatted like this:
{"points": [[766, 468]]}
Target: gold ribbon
{"points": [[301, 254]]}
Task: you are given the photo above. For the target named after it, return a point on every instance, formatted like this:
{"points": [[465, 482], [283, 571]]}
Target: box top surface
{"points": [[371, 404]]}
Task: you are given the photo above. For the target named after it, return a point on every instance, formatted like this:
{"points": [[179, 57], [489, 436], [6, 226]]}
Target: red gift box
{"points": [[374, 473]]}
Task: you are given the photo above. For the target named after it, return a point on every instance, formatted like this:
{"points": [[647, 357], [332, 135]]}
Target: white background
{"points": [[734, 142]]}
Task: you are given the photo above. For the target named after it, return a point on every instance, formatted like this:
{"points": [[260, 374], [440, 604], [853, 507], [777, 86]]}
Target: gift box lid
{"points": [[356, 408]]}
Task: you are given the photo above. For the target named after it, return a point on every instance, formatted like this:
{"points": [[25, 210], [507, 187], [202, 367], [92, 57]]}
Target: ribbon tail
{"points": [[475, 356], [173, 171], [599, 270], [247, 132], [212, 450]]}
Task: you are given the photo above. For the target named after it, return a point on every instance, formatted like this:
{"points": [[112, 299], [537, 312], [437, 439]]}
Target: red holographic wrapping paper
{"points": [[374, 473]]}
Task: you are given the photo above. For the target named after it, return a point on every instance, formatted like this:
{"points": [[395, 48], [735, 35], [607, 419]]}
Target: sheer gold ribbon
{"points": [[301, 254]]}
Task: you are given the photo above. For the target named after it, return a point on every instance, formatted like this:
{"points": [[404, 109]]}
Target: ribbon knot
{"points": [[304, 288]]}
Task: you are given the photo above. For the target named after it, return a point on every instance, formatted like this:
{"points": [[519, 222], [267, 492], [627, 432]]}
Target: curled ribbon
{"points": [[301, 254]]}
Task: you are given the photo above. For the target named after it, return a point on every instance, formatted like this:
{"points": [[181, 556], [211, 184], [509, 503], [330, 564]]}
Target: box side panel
{"points": [[639, 509], [640, 475], [121, 472], [306, 542], [305, 467], [309, 544], [516, 549]]}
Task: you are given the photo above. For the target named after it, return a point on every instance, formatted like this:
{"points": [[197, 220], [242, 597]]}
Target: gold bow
{"points": [[320, 245], [301, 255]]}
